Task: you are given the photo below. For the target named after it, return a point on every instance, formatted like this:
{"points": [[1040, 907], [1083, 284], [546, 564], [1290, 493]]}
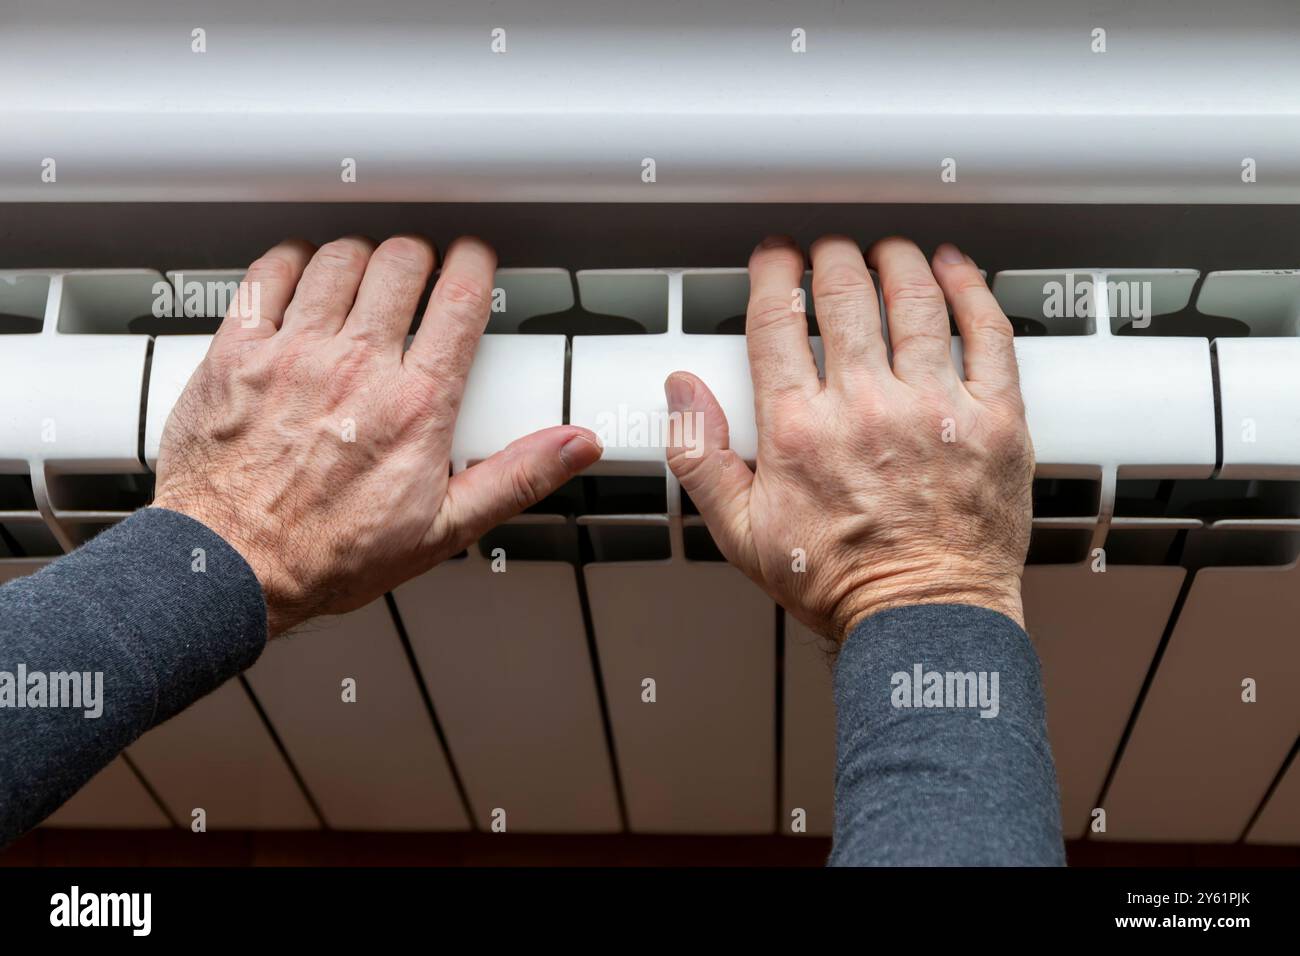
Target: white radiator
{"points": [[604, 140], [535, 677]]}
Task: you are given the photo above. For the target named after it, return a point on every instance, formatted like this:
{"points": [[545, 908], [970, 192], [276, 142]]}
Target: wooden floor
{"points": [[50, 847]]}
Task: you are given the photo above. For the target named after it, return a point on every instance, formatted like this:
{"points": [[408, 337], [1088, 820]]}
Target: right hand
{"points": [[900, 486]]}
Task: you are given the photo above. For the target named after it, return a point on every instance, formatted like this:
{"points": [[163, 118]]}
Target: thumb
{"points": [[700, 455], [515, 478]]}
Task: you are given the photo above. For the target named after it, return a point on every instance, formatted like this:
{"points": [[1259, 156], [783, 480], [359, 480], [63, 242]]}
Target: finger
{"points": [[390, 291], [917, 313], [847, 312], [988, 341], [700, 455], [515, 478], [265, 292], [776, 334], [328, 287], [443, 348]]}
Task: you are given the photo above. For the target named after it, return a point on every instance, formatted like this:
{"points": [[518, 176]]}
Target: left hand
{"points": [[318, 447]]}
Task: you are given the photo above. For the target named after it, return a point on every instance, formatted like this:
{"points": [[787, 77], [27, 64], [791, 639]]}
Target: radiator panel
{"points": [[1200, 759], [701, 759], [808, 732], [217, 755], [1095, 634], [505, 658], [112, 799], [1279, 821], [371, 764]]}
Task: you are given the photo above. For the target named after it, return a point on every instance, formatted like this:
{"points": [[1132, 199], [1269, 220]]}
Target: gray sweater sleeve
{"points": [[139, 623], [941, 751]]}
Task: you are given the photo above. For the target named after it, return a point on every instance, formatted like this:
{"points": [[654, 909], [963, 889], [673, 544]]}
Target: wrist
{"points": [[1000, 593], [278, 588]]}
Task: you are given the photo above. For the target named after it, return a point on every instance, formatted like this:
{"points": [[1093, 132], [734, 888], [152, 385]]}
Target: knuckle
{"points": [[879, 424], [222, 362], [430, 402], [262, 371], [843, 281], [916, 292], [353, 359], [845, 301], [287, 360], [526, 488], [684, 464], [768, 311], [345, 376], [462, 297], [994, 330], [929, 351], [793, 439]]}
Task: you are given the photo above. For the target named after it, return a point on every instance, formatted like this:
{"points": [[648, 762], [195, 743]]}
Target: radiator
{"points": [[1158, 454], [1162, 576]]}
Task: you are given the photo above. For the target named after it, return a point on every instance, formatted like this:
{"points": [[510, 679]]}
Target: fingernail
{"points": [[776, 242], [950, 254], [680, 392], [580, 452]]}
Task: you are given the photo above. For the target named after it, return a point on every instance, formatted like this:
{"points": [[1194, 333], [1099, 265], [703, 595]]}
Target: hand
{"points": [[319, 449], [903, 486]]}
